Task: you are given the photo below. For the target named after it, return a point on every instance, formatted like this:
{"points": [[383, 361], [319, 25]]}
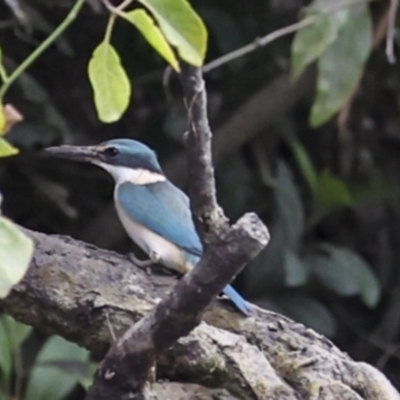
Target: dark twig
{"points": [[126, 368], [209, 216]]}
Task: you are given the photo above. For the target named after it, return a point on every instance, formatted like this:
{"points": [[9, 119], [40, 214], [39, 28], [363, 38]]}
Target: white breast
{"points": [[171, 255]]}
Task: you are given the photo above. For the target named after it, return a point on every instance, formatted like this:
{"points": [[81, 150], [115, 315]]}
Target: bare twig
{"points": [[267, 39], [42, 47], [258, 43], [118, 10]]}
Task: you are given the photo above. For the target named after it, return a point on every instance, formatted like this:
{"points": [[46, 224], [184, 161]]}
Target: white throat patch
{"points": [[136, 176]]}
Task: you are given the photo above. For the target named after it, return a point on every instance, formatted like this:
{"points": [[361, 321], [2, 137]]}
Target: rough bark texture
{"points": [[73, 288], [126, 368]]}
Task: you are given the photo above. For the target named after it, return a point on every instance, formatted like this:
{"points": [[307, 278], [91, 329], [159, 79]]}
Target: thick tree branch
{"points": [[72, 288], [126, 367]]}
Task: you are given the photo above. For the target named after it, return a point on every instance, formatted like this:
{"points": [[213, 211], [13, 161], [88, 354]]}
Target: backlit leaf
{"points": [[340, 67], [110, 83], [312, 41], [152, 33], [182, 27], [16, 251]]}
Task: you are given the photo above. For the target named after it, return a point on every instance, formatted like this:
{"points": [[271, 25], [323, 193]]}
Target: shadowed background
{"points": [[334, 252]]}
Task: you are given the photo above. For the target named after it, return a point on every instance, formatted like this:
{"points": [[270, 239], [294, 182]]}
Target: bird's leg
{"points": [[154, 258], [145, 264], [140, 263]]}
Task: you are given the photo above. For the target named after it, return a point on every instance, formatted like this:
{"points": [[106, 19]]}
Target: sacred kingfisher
{"points": [[155, 213]]}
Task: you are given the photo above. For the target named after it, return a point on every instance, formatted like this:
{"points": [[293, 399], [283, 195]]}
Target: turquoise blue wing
{"points": [[163, 209]]}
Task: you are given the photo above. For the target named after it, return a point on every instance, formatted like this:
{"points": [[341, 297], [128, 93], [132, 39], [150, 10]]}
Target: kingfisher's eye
{"points": [[111, 152]]}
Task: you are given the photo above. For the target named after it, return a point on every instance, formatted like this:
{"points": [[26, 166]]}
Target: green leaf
{"points": [[305, 164], [182, 27], [312, 41], [296, 271], [50, 381], [346, 273], [331, 194], [152, 33], [290, 207], [86, 379], [340, 67], [17, 332], [6, 360], [16, 250], [12, 335], [110, 83]]}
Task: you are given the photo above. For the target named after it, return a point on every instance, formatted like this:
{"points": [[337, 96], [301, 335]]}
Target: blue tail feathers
{"points": [[241, 304], [238, 300]]}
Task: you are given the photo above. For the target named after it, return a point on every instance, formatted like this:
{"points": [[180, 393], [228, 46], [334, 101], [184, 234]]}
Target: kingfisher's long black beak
{"points": [[76, 153]]}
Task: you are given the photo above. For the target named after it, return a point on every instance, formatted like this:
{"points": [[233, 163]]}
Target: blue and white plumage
{"points": [[155, 213]]}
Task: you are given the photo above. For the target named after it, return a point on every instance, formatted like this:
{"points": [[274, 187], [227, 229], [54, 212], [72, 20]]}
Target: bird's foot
{"points": [[138, 262], [145, 264], [152, 263]]}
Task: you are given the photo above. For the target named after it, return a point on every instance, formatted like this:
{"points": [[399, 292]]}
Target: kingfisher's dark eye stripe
{"points": [[110, 152]]}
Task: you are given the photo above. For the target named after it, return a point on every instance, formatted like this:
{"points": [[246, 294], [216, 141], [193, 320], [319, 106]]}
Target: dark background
{"points": [[256, 115]]}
